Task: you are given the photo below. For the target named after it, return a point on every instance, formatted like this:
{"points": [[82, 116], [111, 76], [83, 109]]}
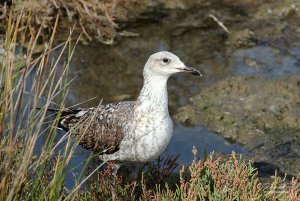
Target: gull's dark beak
{"points": [[191, 70]]}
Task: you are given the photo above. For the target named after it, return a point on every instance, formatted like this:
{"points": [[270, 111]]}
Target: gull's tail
{"points": [[65, 115]]}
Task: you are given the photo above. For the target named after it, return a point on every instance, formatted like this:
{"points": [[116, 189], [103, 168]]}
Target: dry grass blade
{"points": [[21, 164], [221, 24]]}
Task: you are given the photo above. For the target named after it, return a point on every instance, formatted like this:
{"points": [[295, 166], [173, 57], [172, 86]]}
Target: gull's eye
{"points": [[166, 60]]}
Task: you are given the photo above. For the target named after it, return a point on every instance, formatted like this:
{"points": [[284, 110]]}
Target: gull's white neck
{"points": [[154, 92]]}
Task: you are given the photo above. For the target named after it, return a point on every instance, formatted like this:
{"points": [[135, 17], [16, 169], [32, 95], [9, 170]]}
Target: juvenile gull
{"points": [[130, 131]]}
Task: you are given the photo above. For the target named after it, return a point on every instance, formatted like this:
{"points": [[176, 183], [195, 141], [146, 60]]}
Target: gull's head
{"points": [[166, 64]]}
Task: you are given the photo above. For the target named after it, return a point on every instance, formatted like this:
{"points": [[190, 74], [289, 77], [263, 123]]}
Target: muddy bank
{"points": [[263, 114]]}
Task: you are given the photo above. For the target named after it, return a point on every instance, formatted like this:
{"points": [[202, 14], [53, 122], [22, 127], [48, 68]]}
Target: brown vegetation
{"points": [[95, 19], [211, 178]]}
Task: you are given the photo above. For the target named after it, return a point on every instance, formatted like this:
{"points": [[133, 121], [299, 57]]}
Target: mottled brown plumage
{"points": [[99, 129]]}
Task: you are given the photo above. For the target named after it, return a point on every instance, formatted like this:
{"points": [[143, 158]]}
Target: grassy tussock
{"points": [[95, 19]]}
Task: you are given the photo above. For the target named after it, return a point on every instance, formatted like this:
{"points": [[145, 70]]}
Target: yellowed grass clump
{"points": [[95, 19]]}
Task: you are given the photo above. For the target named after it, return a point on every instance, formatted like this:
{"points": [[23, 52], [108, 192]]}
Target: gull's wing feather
{"points": [[100, 129]]}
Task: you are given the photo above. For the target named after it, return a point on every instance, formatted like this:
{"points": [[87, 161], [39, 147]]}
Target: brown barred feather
{"points": [[99, 129]]}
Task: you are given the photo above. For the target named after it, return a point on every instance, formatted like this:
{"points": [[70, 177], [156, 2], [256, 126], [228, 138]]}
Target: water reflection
{"points": [[185, 138]]}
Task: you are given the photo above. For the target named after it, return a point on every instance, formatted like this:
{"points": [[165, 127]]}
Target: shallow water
{"points": [[114, 73], [185, 138]]}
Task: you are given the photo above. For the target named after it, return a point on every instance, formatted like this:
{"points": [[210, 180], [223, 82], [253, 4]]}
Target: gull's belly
{"points": [[147, 142], [155, 141]]}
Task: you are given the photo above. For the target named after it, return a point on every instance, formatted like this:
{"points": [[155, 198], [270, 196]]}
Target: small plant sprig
{"points": [[210, 179]]}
